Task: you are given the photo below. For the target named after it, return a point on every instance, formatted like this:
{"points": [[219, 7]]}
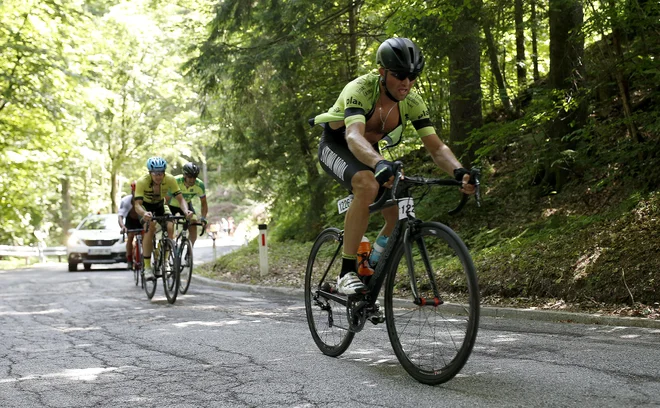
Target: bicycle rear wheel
{"points": [[432, 304], [326, 318], [169, 270], [138, 262], [185, 256]]}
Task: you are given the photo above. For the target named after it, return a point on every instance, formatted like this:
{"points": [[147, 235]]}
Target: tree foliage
{"points": [[90, 89]]}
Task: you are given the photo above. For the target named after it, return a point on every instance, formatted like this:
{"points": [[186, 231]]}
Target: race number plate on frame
{"points": [[406, 208], [342, 205]]}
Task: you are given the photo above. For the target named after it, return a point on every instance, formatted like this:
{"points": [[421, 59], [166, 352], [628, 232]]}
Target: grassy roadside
{"points": [[595, 263]]}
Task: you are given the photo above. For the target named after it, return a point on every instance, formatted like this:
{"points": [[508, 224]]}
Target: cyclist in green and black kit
{"points": [[190, 187], [371, 108]]}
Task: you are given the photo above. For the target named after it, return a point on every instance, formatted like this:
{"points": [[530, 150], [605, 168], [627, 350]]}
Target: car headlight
{"points": [[74, 240]]}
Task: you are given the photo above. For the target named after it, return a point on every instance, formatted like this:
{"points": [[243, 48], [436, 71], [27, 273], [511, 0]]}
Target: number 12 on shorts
{"points": [[406, 208]]}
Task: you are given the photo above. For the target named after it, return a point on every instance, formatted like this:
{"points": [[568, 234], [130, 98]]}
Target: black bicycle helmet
{"points": [[190, 169], [400, 55]]}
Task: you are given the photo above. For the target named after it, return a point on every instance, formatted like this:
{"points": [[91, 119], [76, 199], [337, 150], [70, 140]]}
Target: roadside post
{"points": [[41, 244], [263, 250]]}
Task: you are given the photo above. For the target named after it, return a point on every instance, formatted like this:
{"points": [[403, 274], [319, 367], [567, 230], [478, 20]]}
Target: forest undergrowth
{"points": [[589, 246]]}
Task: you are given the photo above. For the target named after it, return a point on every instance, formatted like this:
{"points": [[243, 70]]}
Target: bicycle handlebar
{"points": [[130, 231], [399, 178], [162, 219], [186, 223]]}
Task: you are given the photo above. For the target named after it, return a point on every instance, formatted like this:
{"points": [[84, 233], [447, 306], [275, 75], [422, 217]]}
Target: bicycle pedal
{"points": [[376, 319]]}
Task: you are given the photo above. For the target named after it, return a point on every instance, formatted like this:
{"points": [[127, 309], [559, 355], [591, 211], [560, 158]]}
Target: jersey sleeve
{"points": [[202, 189], [418, 115], [125, 206], [355, 97], [139, 188], [172, 186]]}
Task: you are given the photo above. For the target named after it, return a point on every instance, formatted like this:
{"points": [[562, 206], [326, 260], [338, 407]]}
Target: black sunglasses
{"points": [[403, 75]]}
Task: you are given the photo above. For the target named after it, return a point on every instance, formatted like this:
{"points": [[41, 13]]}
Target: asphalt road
{"points": [[92, 339]]}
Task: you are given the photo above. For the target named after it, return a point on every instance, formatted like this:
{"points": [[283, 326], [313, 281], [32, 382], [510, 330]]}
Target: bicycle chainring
{"points": [[356, 313]]}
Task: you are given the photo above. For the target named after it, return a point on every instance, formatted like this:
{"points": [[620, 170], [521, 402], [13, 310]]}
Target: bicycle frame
{"points": [[376, 281], [403, 232]]}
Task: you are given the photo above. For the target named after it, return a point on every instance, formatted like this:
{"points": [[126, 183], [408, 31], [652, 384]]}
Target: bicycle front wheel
{"points": [[432, 303], [169, 270], [149, 285], [185, 255], [326, 318]]}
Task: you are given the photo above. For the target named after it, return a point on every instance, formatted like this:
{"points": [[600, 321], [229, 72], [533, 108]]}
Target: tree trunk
{"points": [[114, 189], [465, 79], [65, 222], [622, 83], [495, 68], [535, 45], [567, 77], [521, 69]]}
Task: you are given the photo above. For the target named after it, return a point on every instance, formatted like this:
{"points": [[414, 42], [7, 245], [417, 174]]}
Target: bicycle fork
{"points": [[408, 247]]}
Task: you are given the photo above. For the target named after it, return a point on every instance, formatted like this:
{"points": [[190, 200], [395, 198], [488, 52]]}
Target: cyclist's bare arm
{"points": [[205, 206], [360, 146], [140, 210], [183, 205], [444, 158]]}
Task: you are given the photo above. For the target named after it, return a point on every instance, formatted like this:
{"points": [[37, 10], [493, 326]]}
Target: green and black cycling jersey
{"points": [[357, 103]]}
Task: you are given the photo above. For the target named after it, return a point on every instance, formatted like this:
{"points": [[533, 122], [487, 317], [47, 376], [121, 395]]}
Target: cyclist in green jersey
{"points": [[150, 191], [190, 187], [371, 108]]}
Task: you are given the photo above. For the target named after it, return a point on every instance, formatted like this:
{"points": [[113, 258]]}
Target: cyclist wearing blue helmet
{"points": [[374, 107], [150, 192]]}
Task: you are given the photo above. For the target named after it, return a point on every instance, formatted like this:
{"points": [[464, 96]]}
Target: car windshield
{"points": [[100, 223]]}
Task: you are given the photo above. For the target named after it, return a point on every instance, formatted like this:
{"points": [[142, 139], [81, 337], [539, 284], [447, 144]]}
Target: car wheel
{"points": [[87, 266], [73, 266]]}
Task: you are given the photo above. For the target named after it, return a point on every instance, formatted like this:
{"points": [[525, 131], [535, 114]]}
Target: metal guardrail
{"points": [[36, 251]]}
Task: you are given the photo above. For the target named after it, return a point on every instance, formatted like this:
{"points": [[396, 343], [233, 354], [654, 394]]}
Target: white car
{"points": [[96, 240]]}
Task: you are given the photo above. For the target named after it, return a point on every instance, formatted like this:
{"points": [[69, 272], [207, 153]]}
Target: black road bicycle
{"points": [[431, 296], [166, 263], [184, 252], [137, 264]]}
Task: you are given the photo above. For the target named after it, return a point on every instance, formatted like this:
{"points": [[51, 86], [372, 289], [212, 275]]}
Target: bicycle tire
{"points": [[185, 256], [327, 319], [138, 262], [169, 270], [149, 285], [433, 342]]}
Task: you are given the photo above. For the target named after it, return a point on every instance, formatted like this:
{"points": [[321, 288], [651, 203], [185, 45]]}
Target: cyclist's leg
{"points": [[173, 210], [391, 215], [147, 249], [165, 210], [365, 190], [129, 248], [192, 230], [131, 223], [148, 240], [338, 161]]}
